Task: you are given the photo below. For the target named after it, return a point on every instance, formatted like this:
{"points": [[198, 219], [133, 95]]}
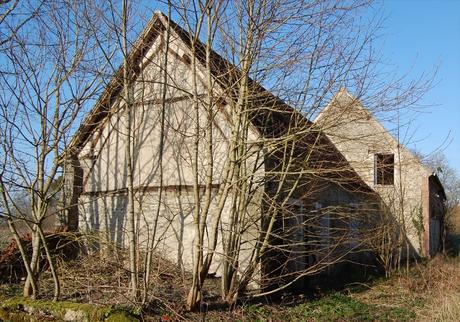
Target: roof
{"points": [[345, 98], [272, 117], [436, 179], [103, 104], [341, 95]]}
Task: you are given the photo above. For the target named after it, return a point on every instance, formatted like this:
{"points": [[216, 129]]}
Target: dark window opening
{"points": [[384, 169]]}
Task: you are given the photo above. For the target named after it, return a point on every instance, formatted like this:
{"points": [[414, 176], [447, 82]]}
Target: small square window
{"points": [[384, 169]]}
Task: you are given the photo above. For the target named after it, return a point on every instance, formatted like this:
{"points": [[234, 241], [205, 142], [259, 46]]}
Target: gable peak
{"points": [[158, 14], [344, 93]]}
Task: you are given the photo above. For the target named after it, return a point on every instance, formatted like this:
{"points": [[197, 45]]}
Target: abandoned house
{"points": [[282, 167], [411, 191]]}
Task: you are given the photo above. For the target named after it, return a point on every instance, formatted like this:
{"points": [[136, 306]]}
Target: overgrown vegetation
{"points": [[335, 307], [306, 49], [429, 291]]}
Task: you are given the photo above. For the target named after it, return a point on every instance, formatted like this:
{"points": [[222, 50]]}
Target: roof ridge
{"points": [[221, 67], [273, 121]]}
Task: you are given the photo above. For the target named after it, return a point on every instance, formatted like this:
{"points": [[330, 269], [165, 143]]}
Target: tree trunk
{"points": [[34, 265]]}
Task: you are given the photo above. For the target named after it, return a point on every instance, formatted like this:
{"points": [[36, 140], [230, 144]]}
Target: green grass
{"points": [[339, 307], [335, 307]]}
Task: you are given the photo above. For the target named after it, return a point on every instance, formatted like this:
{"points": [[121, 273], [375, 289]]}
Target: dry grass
{"points": [[104, 280], [431, 290], [428, 292], [443, 290], [455, 219], [447, 308]]}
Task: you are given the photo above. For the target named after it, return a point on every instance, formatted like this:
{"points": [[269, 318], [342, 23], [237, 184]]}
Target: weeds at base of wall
{"points": [[420, 229], [430, 291]]}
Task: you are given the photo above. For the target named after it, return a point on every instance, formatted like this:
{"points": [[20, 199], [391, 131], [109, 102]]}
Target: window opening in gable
{"points": [[384, 168]]}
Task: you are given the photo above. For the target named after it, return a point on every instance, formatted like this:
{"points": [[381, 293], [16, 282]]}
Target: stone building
{"points": [[298, 187], [293, 174], [411, 191]]}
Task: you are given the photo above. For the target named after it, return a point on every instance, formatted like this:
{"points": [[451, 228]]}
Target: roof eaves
{"points": [[102, 106]]}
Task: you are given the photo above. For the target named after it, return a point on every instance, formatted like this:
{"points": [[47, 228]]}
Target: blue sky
{"points": [[419, 36], [423, 36]]}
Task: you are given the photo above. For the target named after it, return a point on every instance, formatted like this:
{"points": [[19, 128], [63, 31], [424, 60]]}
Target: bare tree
{"points": [[269, 199], [451, 182], [449, 177], [14, 16], [115, 43], [302, 53], [44, 86]]}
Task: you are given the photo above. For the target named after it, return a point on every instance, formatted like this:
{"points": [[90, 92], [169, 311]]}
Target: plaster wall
{"points": [[359, 137]]}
